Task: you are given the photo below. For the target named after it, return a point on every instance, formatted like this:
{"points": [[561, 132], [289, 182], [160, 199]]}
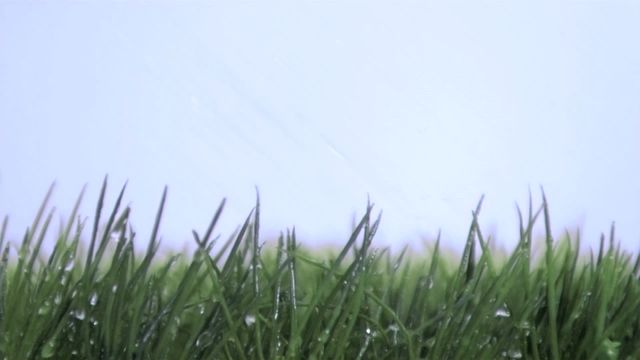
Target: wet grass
{"points": [[245, 302]]}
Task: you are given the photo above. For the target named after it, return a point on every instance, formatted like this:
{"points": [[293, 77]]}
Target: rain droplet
{"points": [[114, 288], [250, 319], [78, 314], [524, 325], [45, 308], [503, 311], [57, 299], [49, 349], [514, 354], [427, 282], [368, 331], [93, 299], [394, 329], [430, 342], [205, 339], [486, 340], [69, 265], [114, 236]]}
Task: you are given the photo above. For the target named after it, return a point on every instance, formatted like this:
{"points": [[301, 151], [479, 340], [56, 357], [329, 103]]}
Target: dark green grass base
{"points": [[285, 303]]}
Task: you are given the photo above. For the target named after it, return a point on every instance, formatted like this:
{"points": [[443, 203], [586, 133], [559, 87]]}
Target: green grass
{"points": [[283, 302]]}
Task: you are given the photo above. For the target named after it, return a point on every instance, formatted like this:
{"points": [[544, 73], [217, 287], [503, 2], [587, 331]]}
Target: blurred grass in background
{"points": [[245, 302]]}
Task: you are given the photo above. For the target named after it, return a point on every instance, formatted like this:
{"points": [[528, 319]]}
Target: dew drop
{"points": [[57, 299], [93, 299], [250, 319], [45, 308], [524, 325], [514, 354], [114, 236], [486, 340], [427, 282], [69, 265], [79, 314], [48, 350], [205, 339], [394, 329], [430, 342], [503, 311], [114, 288]]}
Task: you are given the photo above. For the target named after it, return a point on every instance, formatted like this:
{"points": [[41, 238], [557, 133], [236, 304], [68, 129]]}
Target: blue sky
{"points": [[423, 107]]}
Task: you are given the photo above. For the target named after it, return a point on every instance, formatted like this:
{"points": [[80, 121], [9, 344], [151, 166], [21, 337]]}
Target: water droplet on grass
{"points": [[525, 326], [503, 311], [78, 314], [250, 319], [93, 299], [45, 308], [69, 265], [394, 329], [49, 349], [426, 282], [94, 321], [514, 354], [484, 341], [114, 236], [205, 339], [430, 342]]}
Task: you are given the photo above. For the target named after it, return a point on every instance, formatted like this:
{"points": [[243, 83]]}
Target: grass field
{"points": [[102, 300]]}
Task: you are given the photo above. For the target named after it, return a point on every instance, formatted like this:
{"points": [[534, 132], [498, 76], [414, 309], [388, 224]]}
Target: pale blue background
{"points": [[423, 105]]}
